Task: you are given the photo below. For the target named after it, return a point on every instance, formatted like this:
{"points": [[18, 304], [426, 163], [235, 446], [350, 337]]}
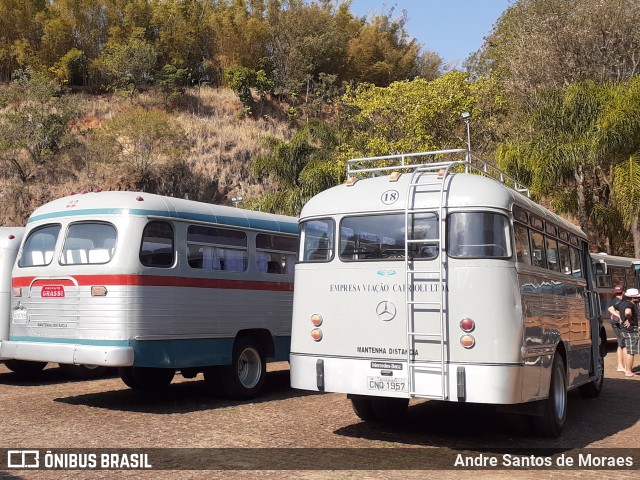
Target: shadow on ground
{"points": [[182, 397]]}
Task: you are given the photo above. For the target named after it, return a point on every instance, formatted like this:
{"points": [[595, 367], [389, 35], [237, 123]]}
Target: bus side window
{"points": [[576, 262], [157, 245], [276, 253], [537, 243], [523, 250]]}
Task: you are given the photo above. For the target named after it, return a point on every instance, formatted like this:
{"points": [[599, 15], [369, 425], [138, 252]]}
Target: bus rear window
{"points": [[478, 235], [382, 237], [39, 246], [89, 243]]}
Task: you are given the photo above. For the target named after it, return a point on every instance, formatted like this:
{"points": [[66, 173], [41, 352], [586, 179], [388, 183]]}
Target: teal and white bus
{"points": [[154, 285]]}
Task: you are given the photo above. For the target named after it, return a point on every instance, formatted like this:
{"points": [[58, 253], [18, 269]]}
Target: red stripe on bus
{"points": [[157, 281]]}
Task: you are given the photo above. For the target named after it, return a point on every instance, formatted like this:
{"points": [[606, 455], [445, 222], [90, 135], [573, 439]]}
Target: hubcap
{"points": [[559, 394], [249, 368]]}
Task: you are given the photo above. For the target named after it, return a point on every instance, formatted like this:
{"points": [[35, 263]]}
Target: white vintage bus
{"points": [[432, 275], [613, 270], [153, 285]]}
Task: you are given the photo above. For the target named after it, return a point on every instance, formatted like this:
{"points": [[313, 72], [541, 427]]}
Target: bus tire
{"points": [[83, 372], [213, 380], [388, 409], [552, 421], [25, 368], [146, 378], [243, 379], [594, 387], [363, 408]]}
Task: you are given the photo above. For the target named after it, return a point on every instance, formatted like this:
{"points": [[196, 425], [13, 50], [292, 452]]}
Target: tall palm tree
{"points": [[577, 137]]}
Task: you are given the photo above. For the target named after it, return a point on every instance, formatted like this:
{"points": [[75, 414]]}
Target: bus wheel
{"points": [[555, 406], [594, 387], [25, 368], [146, 378], [83, 372], [244, 378], [362, 407], [388, 409]]}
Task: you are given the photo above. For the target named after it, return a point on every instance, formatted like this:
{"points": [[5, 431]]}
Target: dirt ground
{"points": [[52, 412]]}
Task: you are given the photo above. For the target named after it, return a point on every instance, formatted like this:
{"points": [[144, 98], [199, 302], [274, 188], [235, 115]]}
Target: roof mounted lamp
{"points": [[466, 118]]}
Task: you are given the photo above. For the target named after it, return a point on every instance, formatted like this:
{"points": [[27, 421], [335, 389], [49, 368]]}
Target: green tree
{"points": [[128, 66], [551, 43], [141, 139], [183, 36], [21, 30], [302, 167], [419, 115], [382, 52], [34, 124], [579, 149], [171, 82]]}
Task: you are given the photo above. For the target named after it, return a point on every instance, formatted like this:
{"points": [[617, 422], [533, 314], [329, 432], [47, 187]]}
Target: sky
{"points": [[452, 28]]}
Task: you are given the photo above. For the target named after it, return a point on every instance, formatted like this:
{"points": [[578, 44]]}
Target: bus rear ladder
{"points": [[426, 180]]}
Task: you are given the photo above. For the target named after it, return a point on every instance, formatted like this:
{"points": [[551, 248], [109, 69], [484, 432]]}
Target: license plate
{"points": [[52, 291], [19, 315], [387, 384]]}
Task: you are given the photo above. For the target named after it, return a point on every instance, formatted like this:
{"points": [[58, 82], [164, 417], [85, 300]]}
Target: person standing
{"points": [[629, 316], [616, 325]]}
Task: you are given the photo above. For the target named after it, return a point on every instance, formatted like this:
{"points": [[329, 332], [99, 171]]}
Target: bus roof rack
{"points": [[373, 166]]}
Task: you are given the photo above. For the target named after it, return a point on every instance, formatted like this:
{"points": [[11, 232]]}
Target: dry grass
{"points": [[223, 146]]}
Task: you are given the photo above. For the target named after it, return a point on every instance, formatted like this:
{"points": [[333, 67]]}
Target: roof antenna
{"points": [[466, 117]]}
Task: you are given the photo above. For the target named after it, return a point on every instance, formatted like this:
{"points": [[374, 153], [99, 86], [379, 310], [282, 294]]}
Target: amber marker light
{"points": [[441, 172], [316, 319], [98, 291], [467, 341], [316, 334], [394, 176], [467, 324], [17, 291], [351, 181]]}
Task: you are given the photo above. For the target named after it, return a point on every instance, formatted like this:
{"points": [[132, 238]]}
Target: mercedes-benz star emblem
{"points": [[386, 311]]}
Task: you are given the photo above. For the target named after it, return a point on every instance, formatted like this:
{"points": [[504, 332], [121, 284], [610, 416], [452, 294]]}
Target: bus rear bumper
{"points": [[489, 384], [108, 356]]}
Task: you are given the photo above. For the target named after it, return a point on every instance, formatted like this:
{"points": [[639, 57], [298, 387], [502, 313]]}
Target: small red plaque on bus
{"points": [[52, 291]]}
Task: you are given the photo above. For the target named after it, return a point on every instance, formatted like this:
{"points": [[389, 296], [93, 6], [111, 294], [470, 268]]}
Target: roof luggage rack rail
{"points": [[469, 163]]}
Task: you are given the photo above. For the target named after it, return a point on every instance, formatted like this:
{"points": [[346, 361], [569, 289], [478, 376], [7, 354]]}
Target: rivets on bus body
{"points": [[467, 341], [139, 198], [98, 291], [394, 176], [316, 319], [316, 334], [351, 181], [17, 291], [467, 324]]}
